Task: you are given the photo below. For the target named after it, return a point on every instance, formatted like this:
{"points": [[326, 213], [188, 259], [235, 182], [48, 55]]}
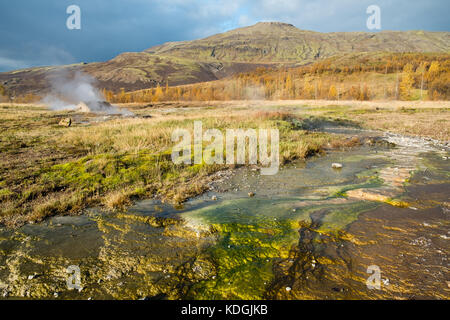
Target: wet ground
{"points": [[309, 232]]}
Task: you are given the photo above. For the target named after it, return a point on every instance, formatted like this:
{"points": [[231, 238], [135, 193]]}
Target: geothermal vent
{"points": [[96, 107]]}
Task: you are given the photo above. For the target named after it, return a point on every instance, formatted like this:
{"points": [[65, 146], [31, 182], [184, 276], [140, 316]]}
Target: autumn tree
{"points": [[308, 89], [159, 94], [439, 89], [433, 71], [108, 95], [365, 93], [420, 76], [122, 95], [407, 82], [289, 87], [332, 93]]}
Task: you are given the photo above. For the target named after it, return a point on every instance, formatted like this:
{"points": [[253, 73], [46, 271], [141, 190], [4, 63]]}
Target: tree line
{"points": [[401, 76], [389, 76]]}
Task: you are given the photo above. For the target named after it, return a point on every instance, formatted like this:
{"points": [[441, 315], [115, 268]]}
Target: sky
{"points": [[34, 32]]}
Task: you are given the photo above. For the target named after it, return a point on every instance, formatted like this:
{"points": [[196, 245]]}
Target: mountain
{"points": [[240, 50], [276, 42]]}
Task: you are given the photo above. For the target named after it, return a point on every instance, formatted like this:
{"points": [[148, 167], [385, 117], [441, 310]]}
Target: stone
{"points": [[66, 122], [337, 165], [32, 276], [94, 106]]}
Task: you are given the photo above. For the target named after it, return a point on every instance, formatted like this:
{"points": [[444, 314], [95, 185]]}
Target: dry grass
{"points": [[47, 170], [434, 125], [419, 118], [116, 200]]}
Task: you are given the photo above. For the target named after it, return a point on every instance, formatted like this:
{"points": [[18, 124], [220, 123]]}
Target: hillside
{"points": [[352, 76], [216, 57], [275, 42]]}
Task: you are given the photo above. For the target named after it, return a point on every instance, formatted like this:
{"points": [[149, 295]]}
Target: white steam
{"points": [[254, 92], [76, 91]]}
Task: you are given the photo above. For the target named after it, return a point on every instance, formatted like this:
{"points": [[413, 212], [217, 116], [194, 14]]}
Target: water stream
{"points": [[309, 232]]}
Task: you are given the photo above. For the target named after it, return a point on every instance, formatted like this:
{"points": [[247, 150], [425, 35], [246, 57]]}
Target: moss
{"points": [[5, 193], [398, 203], [341, 216], [157, 222], [243, 259]]}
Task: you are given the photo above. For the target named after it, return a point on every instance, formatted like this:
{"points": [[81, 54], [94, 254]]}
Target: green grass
{"points": [[52, 170]]}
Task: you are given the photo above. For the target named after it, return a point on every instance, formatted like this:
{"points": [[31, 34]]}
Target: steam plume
{"points": [[69, 91]]}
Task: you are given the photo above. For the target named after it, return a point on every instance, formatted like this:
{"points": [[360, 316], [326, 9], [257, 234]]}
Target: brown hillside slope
{"points": [[221, 55]]}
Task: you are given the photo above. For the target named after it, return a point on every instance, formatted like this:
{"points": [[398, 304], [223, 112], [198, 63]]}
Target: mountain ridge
{"points": [[265, 44], [284, 43]]}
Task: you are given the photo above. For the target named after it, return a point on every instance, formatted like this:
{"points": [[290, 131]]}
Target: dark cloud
{"points": [[34, 32]]}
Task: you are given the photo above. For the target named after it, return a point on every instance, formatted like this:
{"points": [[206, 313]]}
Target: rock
{"points": [[144, 298], [251, 194], [32, 276], [337, 165], [66, 122], [94, 106]]}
